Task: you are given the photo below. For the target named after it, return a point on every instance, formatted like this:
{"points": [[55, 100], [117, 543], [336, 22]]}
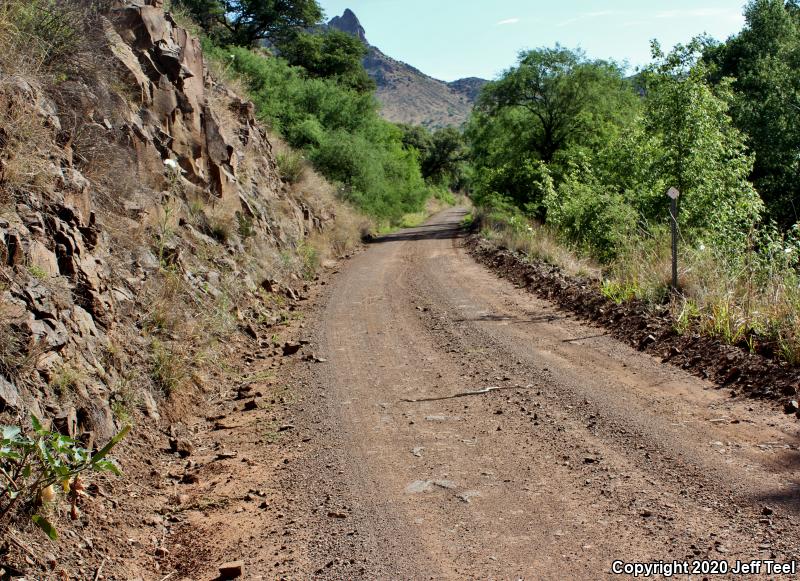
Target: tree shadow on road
{"points": [[436, 231], [786, 500], [513, 320]]}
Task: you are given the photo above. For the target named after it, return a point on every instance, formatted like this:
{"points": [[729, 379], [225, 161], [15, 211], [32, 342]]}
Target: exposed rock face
{"points": [[186, 167], [469, 87], [349, 23], [409, 95]]}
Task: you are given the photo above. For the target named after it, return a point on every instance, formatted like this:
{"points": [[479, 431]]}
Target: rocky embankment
{"points": [[145, 235], [192, 190]]}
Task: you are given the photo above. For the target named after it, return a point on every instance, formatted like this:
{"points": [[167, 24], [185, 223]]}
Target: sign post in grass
{"points": [[673, 195]]}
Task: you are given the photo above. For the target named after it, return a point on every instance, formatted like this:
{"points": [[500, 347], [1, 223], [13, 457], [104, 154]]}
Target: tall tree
{"points": [[561, 91], [443, 162], [246, 22], [331, 54], [698, 148], [555, 100], [442, 154], [764, 61]]}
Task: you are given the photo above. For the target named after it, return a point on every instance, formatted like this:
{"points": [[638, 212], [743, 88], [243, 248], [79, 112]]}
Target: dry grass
{"points": [[751, 307], [186, 326], [643, 271], [42, 44], [34, 35], [346, 228], [744, 307], [169, 366], [26, 142], [184, 19], [536, 242], [19, 354], [221, 71]]}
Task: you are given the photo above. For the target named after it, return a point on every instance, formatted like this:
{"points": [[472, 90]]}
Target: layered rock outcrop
{"points": [[151, 170]]}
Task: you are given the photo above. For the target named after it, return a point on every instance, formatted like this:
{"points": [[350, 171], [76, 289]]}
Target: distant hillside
{"points": [[407, 94]]}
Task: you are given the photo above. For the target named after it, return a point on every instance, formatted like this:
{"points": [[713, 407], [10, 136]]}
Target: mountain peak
{"points": [[406, 94], [348, 22]]}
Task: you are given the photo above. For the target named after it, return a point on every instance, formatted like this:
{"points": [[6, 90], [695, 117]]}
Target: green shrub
{"points": [[307, 133], [290, 166], [384, 183], [32, 463], [37, 272], [595, 218], [339, 128]]}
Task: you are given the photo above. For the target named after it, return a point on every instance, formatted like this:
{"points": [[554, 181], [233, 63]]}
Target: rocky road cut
{"points": [[469, 430]]}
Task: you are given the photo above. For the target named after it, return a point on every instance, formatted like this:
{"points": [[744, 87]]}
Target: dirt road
{"points": [[587, 452]]}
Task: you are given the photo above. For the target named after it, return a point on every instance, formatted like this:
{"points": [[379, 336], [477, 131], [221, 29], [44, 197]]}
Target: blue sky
{"points": [[451, 39]]}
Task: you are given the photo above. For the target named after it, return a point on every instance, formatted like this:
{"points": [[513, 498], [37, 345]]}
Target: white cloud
{"points": [[507, 22], [600, 13], [696, 13], [590, 16]]}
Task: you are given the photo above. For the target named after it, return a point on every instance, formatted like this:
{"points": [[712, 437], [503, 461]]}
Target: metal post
{"points": [[673, 194]]}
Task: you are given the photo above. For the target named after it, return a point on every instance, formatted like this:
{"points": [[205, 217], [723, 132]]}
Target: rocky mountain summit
{"points": [[407, 94], [349, 23]]}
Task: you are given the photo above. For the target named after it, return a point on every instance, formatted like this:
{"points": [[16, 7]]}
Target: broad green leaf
{"points": [[107, 466], [114, 441], [45, 453], [46, 526], [9, 454], [37, 425]]}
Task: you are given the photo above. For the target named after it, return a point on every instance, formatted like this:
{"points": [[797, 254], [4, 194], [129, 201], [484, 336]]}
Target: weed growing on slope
{"points": [[34, 461], [65, 380], [290, 166], [168, 367]]}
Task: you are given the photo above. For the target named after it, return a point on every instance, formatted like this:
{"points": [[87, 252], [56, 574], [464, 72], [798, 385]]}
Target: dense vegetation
{"points": [[311, 88], [763, 62], [573, 145], [246, 22]]}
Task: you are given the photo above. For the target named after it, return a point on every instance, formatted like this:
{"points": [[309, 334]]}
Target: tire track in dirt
{"points": [[599, 453]]}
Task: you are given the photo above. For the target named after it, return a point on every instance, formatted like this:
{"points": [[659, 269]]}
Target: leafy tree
{"points": [[764, 61], [699, 150], [443, 161], [442, 154], [683, 137], [332, 54], [246, 22], [562, 92], [553, 104], [418, 137]]}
